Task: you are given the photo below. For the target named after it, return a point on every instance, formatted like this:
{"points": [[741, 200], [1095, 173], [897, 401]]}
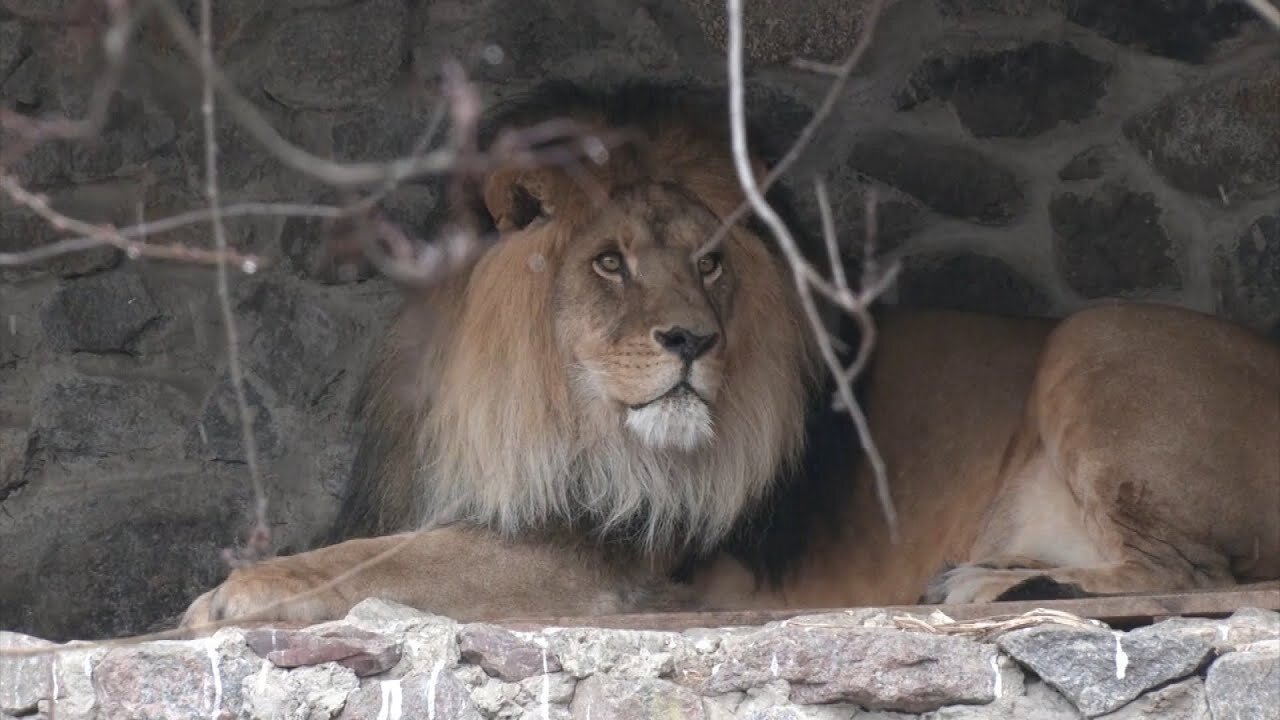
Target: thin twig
{"points": [[870, 19], [801, 270], [248, 116], [829, 234], [260, 536], [30, 132], [95, 236], [1266, 11]]}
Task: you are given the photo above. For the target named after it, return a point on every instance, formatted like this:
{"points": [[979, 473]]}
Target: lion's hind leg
{"points": [[1147, 463]]}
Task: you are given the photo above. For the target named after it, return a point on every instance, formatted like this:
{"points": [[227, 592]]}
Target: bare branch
{"points": [[803, 273], [842, 75], [260, 537], [1265, 10], [95, 236]]}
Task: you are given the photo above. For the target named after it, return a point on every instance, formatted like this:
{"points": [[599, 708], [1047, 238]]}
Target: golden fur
{"points": [[517, 416]]}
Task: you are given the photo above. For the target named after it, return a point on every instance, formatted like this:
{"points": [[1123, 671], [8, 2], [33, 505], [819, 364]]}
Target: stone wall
{"points": [[389, 662], [1031, 157]]}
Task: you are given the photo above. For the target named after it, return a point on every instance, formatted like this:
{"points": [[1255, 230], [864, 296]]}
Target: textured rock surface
{"points": [[828, 667], [1012, 93], [878, 669], [503, 655], [1112, 243], [1219, 140], [331, 59], [1101, 672], [1245, 685], [1249, 273], [100, 314], [951, 179]]}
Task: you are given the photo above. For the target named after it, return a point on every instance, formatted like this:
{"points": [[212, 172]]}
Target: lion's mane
{"points": [[468, 409]]}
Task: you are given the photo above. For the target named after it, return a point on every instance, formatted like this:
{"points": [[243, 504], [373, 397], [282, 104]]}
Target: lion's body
{"points": [[596, 418]]}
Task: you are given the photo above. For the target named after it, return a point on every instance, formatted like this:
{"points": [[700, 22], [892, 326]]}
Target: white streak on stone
{"points": [[392, 699], [546, 687], [1122, 660], [262, 676], [216, 667], [995, 667], [431, 688]]}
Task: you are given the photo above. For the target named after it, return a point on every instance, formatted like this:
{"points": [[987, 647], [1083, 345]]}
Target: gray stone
{"points": [[58, 78], [603, 697], [293, 343], [13, 460], [434, 633], [13, 45], [516, 43], [556, 687], [1020, 92], [383, 131], [105, 313], [219, 436], [874, 668], [41, 10], [363, 652], [134, 571], [1249, 273], [177, 680], [1219, 140], [1245, 685], [621, 653], [968, 281], [111, 202], [898, 216], [951, 179], [1248, 625], [1239, 631], [1089, 164], [1183, 700], [504, 655], [1111, 242], [1010, 8], [242, 161], [25, 680], [320, 691], [437, 693], [86, 417], [1172, 28], [325, 60], [1099, 671], [779, 30]]}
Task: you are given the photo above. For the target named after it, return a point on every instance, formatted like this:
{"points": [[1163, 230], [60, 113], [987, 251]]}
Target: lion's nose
{"points": [[684, 343]]}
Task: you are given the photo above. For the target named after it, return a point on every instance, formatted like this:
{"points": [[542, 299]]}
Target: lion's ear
{"points": [[516, 197]]}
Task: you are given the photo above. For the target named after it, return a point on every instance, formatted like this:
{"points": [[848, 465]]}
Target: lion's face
{"points": [[592, 369], [642, 318]]}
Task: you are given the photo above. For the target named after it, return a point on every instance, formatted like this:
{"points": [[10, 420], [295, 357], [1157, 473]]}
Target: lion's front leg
{"points": [[463, 573]]}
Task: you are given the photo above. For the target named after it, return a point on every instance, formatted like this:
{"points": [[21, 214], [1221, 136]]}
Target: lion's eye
{"points": [[709, 264], [609, 263]]}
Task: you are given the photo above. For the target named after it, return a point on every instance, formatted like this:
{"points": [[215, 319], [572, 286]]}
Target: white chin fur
{"points": [[682, 422]]}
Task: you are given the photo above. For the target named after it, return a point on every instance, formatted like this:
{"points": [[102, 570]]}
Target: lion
{"points": [[595, 417]]}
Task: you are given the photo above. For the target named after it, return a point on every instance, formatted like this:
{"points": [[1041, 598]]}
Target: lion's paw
{"points": [[969, 584], [981, 583], [263, 594]]}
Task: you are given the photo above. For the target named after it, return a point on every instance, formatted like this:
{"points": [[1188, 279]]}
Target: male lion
{"points": [[590, 419]]}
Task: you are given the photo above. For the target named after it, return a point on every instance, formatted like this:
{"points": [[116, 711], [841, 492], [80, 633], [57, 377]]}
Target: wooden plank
{"points": [[1128, 610]]}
